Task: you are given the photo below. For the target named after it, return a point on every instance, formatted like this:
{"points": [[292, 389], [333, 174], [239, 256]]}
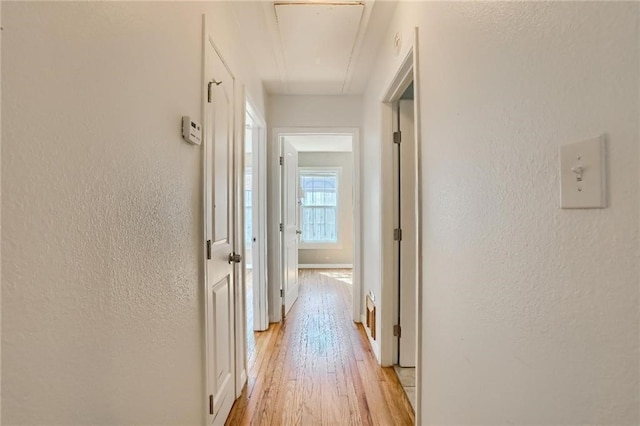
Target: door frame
{"points": [[275, 243], [405, 261], [240, 334], [260, 290], [407, 71]]}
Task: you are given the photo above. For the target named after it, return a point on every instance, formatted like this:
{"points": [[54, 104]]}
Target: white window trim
{"points": [[323, 246]]}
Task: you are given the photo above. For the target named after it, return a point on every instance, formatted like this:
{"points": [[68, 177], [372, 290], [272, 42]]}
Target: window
{"points": [[319, 207]]}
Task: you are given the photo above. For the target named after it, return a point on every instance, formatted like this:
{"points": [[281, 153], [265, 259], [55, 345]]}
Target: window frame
{"points": [[321, 245]]}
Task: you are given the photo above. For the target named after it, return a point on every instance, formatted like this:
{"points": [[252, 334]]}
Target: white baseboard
{"points": [[326, 266]]}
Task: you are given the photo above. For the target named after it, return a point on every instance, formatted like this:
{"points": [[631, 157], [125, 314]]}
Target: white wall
{"points": [[101, 234], [530, 312], [297, 111], [314, 111], [344, 254], [0, 210], [371, 200]]}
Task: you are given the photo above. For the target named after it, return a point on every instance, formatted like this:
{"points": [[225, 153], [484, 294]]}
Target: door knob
{"points": [[235, 258], [299, 232]]}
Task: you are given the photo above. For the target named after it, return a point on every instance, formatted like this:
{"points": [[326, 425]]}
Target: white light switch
{"points": [[582, 174]]}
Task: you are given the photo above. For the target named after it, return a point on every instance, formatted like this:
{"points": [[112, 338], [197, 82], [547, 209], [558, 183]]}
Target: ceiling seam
{"points": [[355, 50]]}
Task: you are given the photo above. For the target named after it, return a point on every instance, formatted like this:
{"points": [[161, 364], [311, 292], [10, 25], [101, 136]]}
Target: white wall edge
{"points": [[419, 202]]}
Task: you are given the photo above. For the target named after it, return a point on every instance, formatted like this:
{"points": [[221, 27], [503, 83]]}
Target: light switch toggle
{"points": [[578, 170], [582, 174]]}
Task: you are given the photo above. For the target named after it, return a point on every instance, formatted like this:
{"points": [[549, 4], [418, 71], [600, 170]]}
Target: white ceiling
{"points": [[320, 142], [317, 43], [311, 47]]}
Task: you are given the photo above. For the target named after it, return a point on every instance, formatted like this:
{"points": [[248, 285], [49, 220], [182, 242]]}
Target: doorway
{"points": [[255, 232], [317, 206], [401, 239], [405, 239], [318, 221]]}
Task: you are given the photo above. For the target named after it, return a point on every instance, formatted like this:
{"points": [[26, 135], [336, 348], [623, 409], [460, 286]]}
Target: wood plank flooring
{"points": [[317, 367]]}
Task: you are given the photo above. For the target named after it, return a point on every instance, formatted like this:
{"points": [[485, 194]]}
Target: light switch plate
{"points": [[582, 175]]}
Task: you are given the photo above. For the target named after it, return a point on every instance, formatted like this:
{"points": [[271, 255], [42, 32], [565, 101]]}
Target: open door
{"points": [[408, 256], [219, 229], [255, 222], [290, 229]]}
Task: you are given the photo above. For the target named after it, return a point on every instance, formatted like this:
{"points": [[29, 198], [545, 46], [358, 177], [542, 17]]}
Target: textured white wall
{"points": [[101, 233], [531, 313], [344, 254]]}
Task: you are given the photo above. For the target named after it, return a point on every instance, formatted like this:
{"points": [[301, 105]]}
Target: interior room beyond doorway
{"points": [[325, 214], [317, 206]]}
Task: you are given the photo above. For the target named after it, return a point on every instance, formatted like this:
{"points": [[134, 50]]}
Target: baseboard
{"points": [[326, 266]]}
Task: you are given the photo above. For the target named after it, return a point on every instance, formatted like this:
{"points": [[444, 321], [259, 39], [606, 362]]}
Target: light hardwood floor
{"points": [[317, 367]]}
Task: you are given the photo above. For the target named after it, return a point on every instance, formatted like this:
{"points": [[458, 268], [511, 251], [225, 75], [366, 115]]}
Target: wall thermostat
{"points": [[191, 130]]}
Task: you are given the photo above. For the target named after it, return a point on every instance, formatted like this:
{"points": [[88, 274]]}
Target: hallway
{"points": [[317, 366]]}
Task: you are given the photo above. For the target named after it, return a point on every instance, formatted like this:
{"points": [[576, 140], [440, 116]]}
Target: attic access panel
{"points": [[318, 41]]}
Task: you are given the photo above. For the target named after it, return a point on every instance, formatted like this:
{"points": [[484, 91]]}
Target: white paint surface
{"points": [[102, 301], [289, 51], [318, 43], [220, 229], [409, 245], [321, 142], [290, 225], [256, 253], [0, 210], [314, 111], [531, 313]]}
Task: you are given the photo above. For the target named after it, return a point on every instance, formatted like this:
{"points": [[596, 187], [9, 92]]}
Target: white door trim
{"points": [[401, 80], [419, 218], [260, 290], [407, 72], [275, 255], [203, 243], [238, 212]]}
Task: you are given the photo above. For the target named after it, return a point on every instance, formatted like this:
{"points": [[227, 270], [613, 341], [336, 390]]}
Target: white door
{"points": [[219, 226], [409, 243], [290, 228], [255, 221]]}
